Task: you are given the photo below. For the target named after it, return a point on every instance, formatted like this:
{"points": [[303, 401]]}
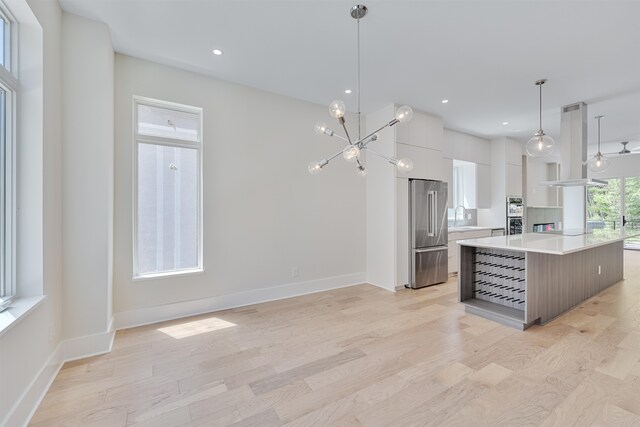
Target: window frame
{"points": [[8, 171], [170, 142]]}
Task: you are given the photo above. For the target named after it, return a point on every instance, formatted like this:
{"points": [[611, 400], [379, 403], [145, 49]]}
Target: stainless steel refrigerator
{"points": [[427, 232]]}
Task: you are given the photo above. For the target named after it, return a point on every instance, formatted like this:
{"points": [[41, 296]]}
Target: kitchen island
{"points": [[527, 279]]}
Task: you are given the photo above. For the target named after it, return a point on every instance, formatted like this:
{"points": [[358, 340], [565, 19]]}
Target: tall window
{"points": [[8, 86], [168, 188]]}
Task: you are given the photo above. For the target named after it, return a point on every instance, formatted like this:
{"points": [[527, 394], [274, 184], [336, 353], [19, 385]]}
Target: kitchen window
{"points": [[8, 90], [167, 188]]}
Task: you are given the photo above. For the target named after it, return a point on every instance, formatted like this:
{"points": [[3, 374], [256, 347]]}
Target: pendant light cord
{"points": [[541, 105], [358, 80], [599, 134]]}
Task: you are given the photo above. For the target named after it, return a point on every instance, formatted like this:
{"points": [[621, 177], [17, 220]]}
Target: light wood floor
{"points": [[364, 356]]}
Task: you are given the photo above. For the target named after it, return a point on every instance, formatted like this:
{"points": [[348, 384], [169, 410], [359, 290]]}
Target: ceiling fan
{"points": [[625, 150]]}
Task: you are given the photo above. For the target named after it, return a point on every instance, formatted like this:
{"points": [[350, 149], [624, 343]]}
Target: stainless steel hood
{"points": [[573, 149], [582, 182]]}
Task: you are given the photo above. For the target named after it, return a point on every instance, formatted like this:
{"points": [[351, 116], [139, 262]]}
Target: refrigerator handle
{"points": [[432, 200]]}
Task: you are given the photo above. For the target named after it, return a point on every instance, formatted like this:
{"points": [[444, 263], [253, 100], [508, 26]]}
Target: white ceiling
{"points": [[481, 55]]}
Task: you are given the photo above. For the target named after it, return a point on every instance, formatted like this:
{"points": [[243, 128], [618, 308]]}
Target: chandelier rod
{"points": [[358, 80], [346, 131], [540, 104], [384, 156], [391, 123]]}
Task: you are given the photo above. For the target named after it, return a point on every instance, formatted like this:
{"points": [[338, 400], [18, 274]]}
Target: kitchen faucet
{"points": [[455, 215]]}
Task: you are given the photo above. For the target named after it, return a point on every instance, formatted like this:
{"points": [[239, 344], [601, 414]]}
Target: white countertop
{"points": [[550, 243]]}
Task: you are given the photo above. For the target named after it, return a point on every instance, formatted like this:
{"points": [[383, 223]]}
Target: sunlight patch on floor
{"points": [[197, 327]]}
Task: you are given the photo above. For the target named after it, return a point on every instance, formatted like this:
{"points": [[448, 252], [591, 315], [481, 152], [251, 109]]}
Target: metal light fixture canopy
{"points": [[541, 144], [355, 146], [598, 163]]}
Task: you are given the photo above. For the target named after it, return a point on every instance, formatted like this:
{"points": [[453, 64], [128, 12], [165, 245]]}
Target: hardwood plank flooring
{"points": [[362, 356]]}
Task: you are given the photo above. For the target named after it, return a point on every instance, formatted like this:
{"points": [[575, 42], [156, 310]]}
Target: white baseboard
{"points": [[149, 315], [88, 345], [26, 406], [101, 343]]}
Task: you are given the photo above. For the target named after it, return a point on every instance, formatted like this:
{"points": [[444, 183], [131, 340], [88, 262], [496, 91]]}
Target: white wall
{"points": [[88, 155], [28, 356], [264, 214]]}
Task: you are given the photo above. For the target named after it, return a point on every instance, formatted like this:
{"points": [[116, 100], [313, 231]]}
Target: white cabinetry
{"points": [[423, 130], [427, 163], [454, 248], [514, 180], [483, 182]]}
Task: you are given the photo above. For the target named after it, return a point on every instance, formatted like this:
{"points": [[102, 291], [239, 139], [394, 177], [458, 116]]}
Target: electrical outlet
{"points": [[295, 272], [599, 270]]}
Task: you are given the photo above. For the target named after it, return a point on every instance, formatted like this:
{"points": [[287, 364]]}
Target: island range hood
{"points": [[582, 182], [573, 145]]}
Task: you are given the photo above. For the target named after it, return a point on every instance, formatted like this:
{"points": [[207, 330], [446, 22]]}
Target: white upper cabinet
{"points": [[462, 146], [423, 130], [514, 180], [427, 163], [483, 182], [514, 152]]}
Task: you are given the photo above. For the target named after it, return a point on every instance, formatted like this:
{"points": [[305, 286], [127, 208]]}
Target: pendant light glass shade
{"points": [[598, 163], [337, 109], [351, 153], [320, 128], [541, 144], [404, 165], [314, 168], [404, 114]]}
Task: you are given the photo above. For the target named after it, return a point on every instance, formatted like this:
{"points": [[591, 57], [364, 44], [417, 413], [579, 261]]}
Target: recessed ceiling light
{"points": [[505, 123], [217, 52], [444, 101], [347, 91]]}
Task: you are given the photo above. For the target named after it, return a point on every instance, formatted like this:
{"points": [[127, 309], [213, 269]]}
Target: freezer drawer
{"points": [[429, 266]]}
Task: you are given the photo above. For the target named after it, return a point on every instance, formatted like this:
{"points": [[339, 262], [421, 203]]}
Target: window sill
{"points": [[168, 274], [17, 311]]}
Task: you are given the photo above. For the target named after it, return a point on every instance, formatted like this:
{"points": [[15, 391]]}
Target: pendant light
{"points": [[598, 163], [541, 144], [351, 152]]}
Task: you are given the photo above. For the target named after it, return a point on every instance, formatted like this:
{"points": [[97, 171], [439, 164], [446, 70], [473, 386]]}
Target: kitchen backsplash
{"points": [[472, 217], [543, 216]]}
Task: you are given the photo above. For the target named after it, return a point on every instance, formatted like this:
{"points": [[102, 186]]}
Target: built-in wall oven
{"points": [[515, 215]]}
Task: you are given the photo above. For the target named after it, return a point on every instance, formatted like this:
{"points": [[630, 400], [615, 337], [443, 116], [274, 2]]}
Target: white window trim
{"points": [[137, 139], [9, 83]]}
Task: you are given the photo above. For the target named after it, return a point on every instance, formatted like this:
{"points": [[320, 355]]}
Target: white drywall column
{"points": [[381, 205], [88, 159]]}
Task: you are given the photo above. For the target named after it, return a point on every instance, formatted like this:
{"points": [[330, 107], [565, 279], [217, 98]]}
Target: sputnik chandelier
{"points": [[353, 149]]}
